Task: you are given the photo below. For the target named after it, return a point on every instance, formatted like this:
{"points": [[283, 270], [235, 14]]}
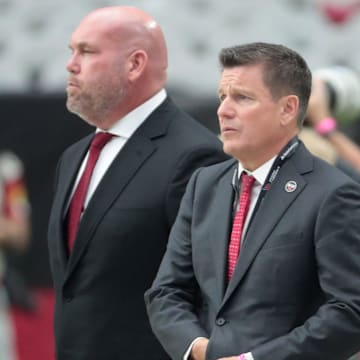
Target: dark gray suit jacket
{"points": [[295, 293], [100, 313]]}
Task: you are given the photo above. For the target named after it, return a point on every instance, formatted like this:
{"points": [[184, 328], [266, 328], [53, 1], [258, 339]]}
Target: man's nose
{"points": [[225, 109], [73, 65]]}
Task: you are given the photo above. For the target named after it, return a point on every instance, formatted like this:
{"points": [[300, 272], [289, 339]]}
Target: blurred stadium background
{"points": [[34, 36]]}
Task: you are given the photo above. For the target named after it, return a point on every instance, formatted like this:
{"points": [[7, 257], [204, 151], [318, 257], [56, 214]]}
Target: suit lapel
{"points": [[124, 167], [75, 157], [268, 215], [221, 229], [115, 180], [65, 184]]}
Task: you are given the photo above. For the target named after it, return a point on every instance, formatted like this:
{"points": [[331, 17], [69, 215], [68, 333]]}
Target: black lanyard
{"points": [[287, 151]]}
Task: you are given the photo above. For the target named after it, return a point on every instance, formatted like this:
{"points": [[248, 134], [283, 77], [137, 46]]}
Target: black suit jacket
{"points": [[99, 311], [295, 293]]}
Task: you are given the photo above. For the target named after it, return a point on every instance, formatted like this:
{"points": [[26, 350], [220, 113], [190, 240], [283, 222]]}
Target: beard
{"points": [[95, 101]]}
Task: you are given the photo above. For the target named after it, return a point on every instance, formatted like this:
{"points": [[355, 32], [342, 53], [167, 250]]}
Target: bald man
{"points": [[107, 237]]}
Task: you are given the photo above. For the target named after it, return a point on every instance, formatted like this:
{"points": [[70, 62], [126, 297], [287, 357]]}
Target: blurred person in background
{"points": [[324, 137], [263, 258], [14, 234], [103, 264]]}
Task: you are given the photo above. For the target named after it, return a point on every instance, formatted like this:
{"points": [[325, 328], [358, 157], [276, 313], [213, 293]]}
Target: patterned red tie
{"points": [[77, 202], [247, 182]]}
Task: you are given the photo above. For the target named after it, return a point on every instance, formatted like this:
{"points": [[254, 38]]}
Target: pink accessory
{"points": [[325, 126], [242, 357], [247, 181]]}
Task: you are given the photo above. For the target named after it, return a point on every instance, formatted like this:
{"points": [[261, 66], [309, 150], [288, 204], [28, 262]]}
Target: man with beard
{"points": [[118, 190]]}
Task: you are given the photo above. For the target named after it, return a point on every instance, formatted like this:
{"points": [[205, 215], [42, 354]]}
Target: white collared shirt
{"points": [[123, 130], [260, 175]]}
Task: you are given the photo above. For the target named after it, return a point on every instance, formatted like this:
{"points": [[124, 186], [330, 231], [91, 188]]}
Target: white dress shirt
{"points": [[260, 175]]}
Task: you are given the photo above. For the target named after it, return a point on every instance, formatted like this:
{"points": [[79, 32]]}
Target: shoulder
{"points": [[184, 123], [75, 151], [318, 170], [215, 172], [325, 183], [328, 174], [80, 144]]}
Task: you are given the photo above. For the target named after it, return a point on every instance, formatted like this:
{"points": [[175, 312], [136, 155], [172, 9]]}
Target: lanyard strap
{"points": [[287, 151]]}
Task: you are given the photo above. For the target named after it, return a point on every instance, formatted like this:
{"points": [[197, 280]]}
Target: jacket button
{"points": [[220, 321]]}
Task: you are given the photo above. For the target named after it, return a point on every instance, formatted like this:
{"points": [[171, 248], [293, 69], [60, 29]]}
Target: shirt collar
{"points": [[260, 174], [127, 125]]}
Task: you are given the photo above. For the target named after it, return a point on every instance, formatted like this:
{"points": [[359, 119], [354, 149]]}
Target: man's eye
{"points": [[241, 97]]}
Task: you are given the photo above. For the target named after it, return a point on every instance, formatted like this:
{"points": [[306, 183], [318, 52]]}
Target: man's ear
{"points": [[137, 63], [289, 108]]}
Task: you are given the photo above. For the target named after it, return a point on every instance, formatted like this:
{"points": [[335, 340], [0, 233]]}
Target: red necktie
{"points": [[247, 181], [77, 202]]}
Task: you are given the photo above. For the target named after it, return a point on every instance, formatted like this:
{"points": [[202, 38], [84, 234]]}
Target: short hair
{"points": [[285, 72]]}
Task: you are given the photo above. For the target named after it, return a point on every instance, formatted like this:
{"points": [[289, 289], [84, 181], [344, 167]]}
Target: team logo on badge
{"points": [[290, 186]]}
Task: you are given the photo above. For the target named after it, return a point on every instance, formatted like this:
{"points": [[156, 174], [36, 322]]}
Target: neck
{"points": [[285, 148]]}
